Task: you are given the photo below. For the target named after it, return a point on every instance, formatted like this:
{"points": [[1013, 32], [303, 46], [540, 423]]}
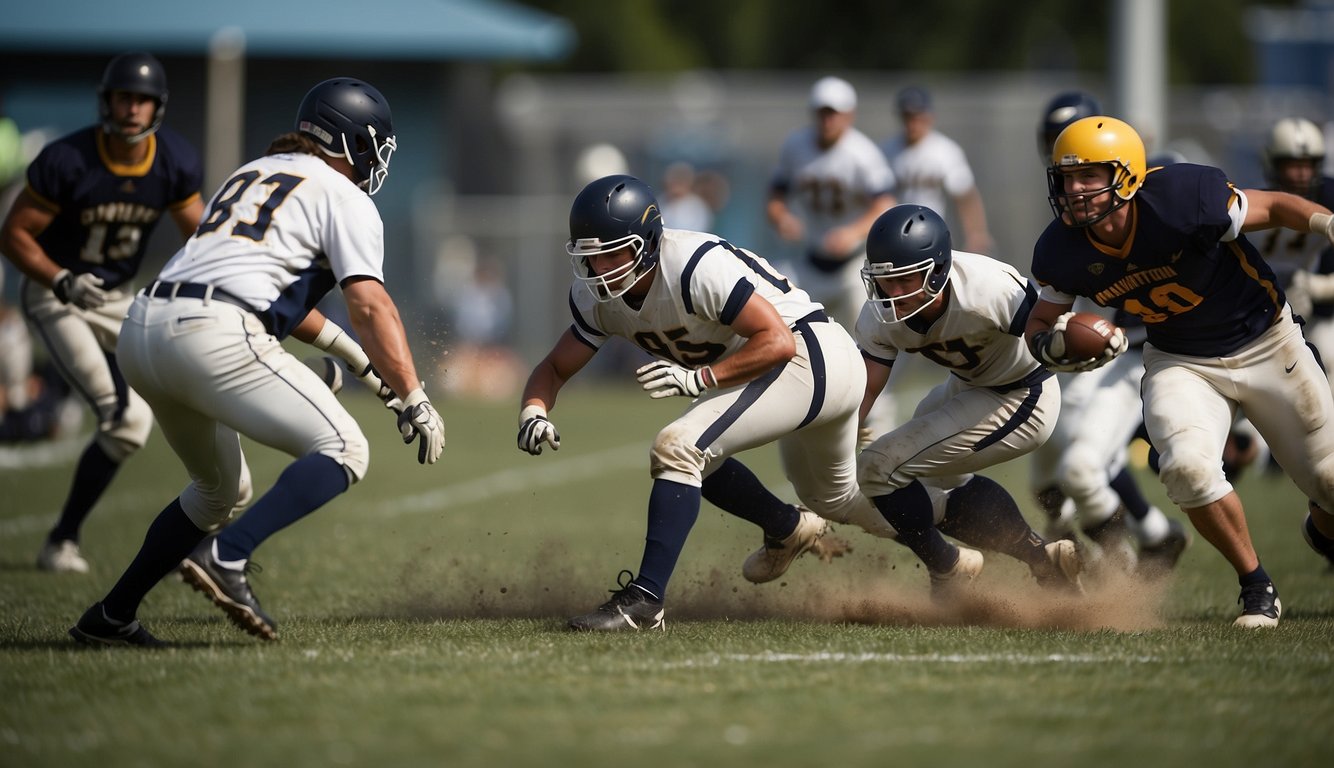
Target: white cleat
{"points": [[61, 557], [1064, 564], [949, 585], [773, 559]]}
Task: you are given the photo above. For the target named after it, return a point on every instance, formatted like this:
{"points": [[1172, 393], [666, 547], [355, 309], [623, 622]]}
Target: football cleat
{"points": [[1159, 559], [630, 607], [227, 588], [95, 627], [949, 585], [1317, 542], [1062, 567], [773, 558], [1260, 606], [61, 557]]}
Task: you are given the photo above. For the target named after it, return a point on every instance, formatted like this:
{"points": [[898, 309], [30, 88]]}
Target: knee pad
{"points": [[674, 457], [1193, 480], [120, 435]]}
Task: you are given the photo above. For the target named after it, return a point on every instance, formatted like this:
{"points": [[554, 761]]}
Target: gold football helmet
{"points": [[1091, 141]]}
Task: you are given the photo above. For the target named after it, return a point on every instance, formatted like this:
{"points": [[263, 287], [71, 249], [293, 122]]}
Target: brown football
{"points": [[1086, 336]]}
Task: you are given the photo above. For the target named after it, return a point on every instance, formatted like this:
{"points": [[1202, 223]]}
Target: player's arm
{"points": [[18, 239], [375, 318], [565, 359], [973, 216], [187, 216], [845, 239], [877, 376], [1267, 209], [769, 343], [780, 216]]}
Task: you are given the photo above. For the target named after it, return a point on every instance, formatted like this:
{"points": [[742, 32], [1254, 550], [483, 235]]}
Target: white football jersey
{"points": [[830, 188], [279, 234], [702, 282], [980, 336], [930, 172]]}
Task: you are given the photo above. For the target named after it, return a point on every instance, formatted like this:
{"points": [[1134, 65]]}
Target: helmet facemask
{"points": [[1063, 204], [618, 281], [896, 309]]}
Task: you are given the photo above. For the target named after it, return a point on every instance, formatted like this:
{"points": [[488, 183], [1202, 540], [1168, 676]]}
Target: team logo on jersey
{"points": [[1132, 267], [127, 187], [1097, 268], [1176, 257]]}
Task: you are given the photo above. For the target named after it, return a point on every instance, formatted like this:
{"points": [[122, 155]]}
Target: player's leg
{"points": [[79, 343], [1188, 419]]}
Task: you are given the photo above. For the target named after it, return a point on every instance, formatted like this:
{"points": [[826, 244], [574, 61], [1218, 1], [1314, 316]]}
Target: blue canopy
{"points": [[379, 29]]}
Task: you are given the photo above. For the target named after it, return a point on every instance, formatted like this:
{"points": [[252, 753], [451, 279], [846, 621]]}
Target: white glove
{"points": [[418, 417], [534, 429], [83, 290], [664, 379]]}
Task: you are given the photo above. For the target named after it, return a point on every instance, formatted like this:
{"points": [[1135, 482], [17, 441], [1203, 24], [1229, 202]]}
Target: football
{"points": [[1086, 336]]}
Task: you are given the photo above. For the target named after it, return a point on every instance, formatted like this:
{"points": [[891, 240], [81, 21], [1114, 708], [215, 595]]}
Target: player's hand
{"points": [[535, 429], [663, 379], [1049, 345], [418, 417], [83, 290]]}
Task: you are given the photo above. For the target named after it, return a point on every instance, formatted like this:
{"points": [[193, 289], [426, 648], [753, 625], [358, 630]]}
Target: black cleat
{"points": [[1158, 560], [96, 628], [228, 589], [1317, 542], [629, 608], [1260, 606]]}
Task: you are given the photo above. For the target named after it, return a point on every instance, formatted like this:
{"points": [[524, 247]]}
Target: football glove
{"points": [[371, 378], [534, 429], [418, 417], [1049, 348], [663, 379], [83, 290]]}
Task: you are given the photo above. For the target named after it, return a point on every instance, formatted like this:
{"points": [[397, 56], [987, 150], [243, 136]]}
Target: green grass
{"points": [[421, 620]]}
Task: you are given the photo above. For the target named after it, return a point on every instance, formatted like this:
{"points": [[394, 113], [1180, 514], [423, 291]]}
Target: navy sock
{"points": [[736, 490], [1257, 576], [982, 513], [95, 472], [672, 510], [909, 510], [305, 486], [170, 537], [1125, 486]]}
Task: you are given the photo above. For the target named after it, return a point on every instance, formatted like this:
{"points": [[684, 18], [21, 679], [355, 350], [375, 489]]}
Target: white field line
{"points": [[495, 485], [38, 455], [912, 658]]}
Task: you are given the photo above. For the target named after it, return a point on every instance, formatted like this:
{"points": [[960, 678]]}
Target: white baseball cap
{"points": [[835, 93]]}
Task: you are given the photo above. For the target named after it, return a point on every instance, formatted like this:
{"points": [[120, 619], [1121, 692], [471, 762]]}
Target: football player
{"points": [[78, 233], [963, 312], [1081, 476], [203, 344], [1167, 245], [759, 361]]}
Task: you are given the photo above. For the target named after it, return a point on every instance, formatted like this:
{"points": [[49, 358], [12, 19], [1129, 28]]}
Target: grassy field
{"points": [[421, 620]]}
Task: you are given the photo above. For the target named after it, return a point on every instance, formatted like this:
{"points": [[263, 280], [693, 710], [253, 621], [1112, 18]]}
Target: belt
{"points": [[165, 290], [1034, 377]]}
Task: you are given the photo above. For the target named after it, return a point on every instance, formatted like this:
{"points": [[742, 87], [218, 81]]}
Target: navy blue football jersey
{"points": [[105, 211], [1196, 295]]}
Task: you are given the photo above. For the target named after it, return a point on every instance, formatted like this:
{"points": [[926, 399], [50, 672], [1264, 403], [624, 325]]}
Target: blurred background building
{"points": [[504, 109]]}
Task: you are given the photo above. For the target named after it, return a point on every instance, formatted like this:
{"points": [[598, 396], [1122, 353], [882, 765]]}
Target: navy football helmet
{"points": [[1061, 111], [610, 213], [136, 73], [907, 240], [350, 118]]}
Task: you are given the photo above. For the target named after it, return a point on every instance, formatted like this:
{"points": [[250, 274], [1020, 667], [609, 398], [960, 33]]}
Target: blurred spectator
{"points": [[682, 206], [932, 170]]}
